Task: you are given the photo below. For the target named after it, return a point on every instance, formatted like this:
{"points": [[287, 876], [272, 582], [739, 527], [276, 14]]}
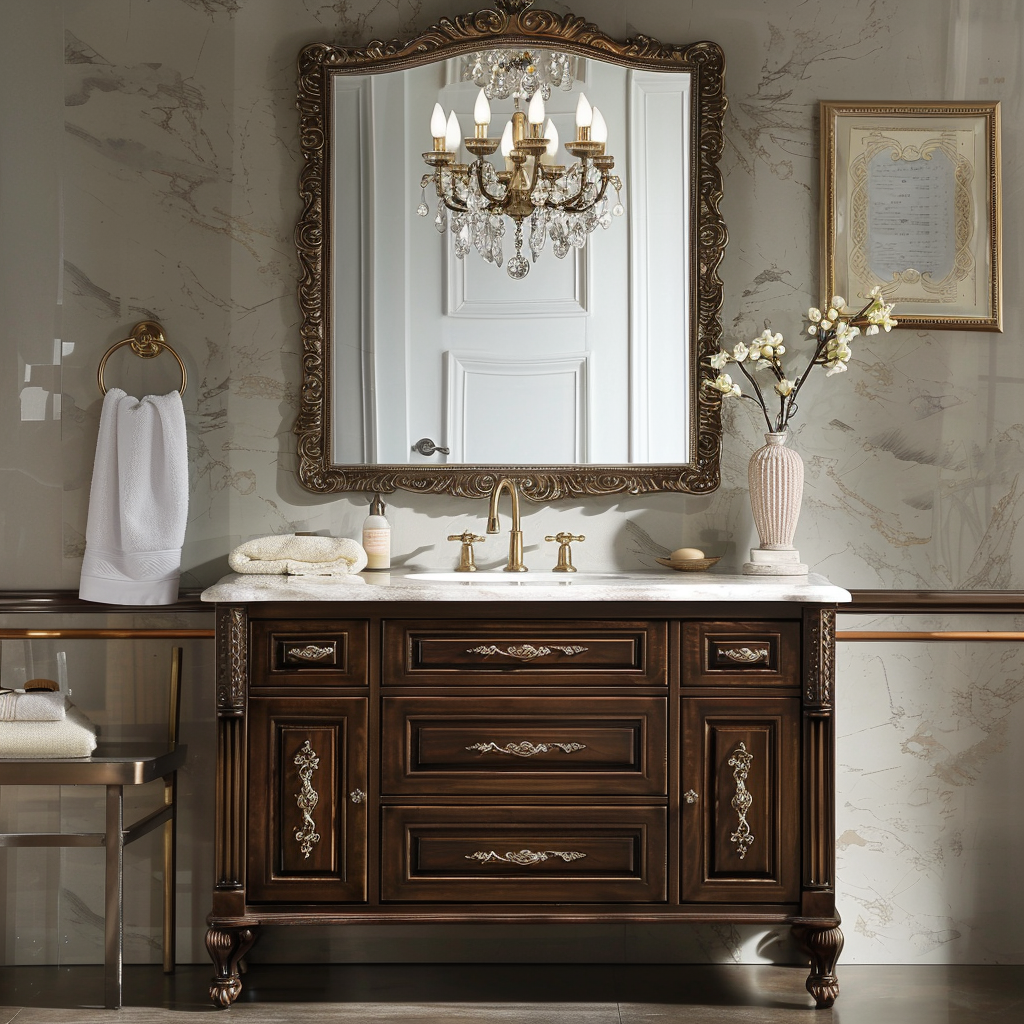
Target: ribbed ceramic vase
{"points": [[776, 479]]}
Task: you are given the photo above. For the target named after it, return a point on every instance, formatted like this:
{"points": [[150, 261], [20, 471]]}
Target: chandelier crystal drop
{"points": [[519, 73], [547, 199]]}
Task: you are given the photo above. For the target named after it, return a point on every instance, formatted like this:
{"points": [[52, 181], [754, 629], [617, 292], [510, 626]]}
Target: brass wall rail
{"points": [[106, 634], [904, 635]]}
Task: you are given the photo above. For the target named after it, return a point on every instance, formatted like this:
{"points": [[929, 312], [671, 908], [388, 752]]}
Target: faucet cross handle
{"points": [[564, 551], [467, 563]]}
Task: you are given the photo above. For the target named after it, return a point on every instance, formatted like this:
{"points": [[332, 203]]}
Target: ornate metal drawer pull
{"points": [[690, 796], [740, 763], [311, 652], [524, 857], [525, 652], [747, 655], [526, 748], [307, 798], [357, 796]]}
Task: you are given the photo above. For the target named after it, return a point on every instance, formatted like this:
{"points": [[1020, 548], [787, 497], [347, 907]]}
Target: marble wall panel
{"points": [[150, 152]]}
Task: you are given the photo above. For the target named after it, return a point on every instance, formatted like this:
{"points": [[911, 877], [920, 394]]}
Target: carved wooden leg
{"points": [[227, 946], [822, 946]]}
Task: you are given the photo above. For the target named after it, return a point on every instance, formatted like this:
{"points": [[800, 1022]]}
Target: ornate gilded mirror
{"points": [[532, 301]]}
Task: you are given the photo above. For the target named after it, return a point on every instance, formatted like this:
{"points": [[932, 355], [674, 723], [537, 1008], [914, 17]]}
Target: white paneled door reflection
{"points": [[507, 410]]}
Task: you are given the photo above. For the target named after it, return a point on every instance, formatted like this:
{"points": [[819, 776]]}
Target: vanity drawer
{"points": [[559, 745], [297, 652], [519, 854], [525, 653], [741, 654]]}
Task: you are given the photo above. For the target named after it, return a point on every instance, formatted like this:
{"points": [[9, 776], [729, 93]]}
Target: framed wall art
{"points": [[910, 201]]}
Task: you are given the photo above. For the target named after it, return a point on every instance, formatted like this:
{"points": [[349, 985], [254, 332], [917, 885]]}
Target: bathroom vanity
{"points": [[637, 747]]}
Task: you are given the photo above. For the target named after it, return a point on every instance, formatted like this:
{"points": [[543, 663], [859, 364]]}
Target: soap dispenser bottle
{"points": [[377, 537]]}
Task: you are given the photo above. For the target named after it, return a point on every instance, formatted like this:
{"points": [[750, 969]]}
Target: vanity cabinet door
{"points": [[307, 799], [740, 803]]}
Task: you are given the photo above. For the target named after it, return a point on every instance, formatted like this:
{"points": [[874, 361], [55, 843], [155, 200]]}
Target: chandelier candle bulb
{"points": [[584, 118], [506, 145], [598, 127], [535, 114], [438, 127], [453, 134], [550, 155], [481, 110]]}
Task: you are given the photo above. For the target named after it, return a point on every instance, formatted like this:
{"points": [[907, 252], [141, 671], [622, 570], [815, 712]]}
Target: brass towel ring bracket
{"points": [[147, 341]]}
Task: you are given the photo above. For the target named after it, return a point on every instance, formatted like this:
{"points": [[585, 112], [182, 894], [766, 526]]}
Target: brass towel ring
{"points": [[147, 341]]}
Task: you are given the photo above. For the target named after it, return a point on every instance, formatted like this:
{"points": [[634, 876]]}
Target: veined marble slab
{"points": [[539, 586]]}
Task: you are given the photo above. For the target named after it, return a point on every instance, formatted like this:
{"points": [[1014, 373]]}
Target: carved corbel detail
{"points": [[232, 675], [819, 659]]}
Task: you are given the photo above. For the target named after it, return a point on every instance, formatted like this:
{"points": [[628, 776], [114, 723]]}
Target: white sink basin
{"points": [[531, 579]]}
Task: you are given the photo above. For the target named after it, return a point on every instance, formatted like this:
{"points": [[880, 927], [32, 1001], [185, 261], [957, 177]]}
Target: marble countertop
{"points": [[535, 586]]}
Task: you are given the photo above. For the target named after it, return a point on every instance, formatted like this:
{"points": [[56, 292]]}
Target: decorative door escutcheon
{"points": [[740, 763], [307, 798]]}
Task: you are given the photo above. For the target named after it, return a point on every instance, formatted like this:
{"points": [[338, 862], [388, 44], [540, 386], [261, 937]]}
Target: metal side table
{"points": [[115, 766]]}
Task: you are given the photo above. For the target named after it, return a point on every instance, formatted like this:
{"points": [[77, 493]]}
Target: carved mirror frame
{"points": [[514, 23]]}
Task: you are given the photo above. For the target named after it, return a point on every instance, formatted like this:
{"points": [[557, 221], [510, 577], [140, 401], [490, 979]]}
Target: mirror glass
{"points": [[581, 378], [582, 362]]}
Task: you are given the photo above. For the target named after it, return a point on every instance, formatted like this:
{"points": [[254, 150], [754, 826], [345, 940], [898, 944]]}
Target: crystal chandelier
{"points": [[565, 204], [505, 73]]}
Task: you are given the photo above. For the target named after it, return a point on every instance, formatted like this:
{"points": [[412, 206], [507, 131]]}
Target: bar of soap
{"points": [[686, 554]]}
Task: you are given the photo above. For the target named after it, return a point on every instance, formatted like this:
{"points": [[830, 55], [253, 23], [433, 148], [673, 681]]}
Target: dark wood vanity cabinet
{"points": [[543, 762]]}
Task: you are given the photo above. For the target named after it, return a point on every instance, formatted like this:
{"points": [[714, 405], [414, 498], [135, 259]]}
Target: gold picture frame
{"points": [[911, 204]]}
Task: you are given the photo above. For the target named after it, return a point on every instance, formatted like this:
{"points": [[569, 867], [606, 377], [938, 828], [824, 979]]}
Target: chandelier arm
{"points": [[537, 173], [568, 203], [450, 202], [600, 195], [495, 201]]}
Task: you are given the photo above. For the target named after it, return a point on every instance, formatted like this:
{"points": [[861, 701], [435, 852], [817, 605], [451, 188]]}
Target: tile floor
{"points": [[523, 994]]}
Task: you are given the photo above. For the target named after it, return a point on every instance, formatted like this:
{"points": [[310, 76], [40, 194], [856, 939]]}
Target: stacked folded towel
{"points": [[287, 553], [43, 725]]}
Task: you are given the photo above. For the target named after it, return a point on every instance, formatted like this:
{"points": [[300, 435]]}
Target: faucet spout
{"points": [[515, 539]]}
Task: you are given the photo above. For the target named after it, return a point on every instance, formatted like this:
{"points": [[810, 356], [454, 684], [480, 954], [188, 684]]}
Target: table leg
{"points": [[113, 924]]}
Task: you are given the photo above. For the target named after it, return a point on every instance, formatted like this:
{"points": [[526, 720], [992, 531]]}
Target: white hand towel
{"points": [[74, 737], [19, 706], [138, 504], [285, 553]]}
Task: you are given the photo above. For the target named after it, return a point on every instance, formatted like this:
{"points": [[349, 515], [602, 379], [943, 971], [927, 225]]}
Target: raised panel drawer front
{"points": [[571, 745], [307, 799], [526, 653], [519, 854], [305, 653], [741, 654]]}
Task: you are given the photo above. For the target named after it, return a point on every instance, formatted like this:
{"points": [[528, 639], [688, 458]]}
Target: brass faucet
{"points": [[515, 538]]}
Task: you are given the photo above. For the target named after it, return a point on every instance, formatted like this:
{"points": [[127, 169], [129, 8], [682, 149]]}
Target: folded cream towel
{"points": [[19, 706], [74, 737], [285, 553], [138, 503]]}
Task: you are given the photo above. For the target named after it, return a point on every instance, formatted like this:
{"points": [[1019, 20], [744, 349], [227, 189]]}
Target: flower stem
{"points": [[760, 397]]}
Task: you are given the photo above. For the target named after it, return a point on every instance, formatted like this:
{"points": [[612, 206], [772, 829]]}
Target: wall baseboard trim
{"points": [[915, 602]]}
